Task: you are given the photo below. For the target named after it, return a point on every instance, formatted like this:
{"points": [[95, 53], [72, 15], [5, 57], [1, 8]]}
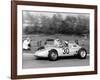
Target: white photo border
{"points": [[21, 71]]}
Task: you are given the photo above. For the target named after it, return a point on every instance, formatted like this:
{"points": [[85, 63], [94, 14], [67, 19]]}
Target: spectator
{"points": [[27, 44]]}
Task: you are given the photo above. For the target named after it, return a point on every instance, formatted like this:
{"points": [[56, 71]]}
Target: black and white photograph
{"points": [[55, 39]]}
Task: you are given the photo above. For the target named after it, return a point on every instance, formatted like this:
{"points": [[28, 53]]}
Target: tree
{"points": [[70, 24], [82, 25], [56, 22]]}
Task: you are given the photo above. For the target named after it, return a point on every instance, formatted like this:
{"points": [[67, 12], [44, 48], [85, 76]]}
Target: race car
{"points": [[55, 48]]}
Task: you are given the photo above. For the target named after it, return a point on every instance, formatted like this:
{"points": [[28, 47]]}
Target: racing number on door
{"points": [[66, 51]]}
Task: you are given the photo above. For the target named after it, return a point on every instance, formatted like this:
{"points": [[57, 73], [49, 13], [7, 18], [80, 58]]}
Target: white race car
{"points": [[55, 48]]}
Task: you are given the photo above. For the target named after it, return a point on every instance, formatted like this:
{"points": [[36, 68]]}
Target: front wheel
{"points": [[53, 55], [82, 53]]}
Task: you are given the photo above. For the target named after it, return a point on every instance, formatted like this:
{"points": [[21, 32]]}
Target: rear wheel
{"points": [[53, 55], [82, 53]]}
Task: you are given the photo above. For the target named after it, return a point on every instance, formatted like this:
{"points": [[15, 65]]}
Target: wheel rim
{"points": [[83, 54], [54, 55]]}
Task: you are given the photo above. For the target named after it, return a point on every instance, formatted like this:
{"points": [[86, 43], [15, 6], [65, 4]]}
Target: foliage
{"points": [[56, 24]]}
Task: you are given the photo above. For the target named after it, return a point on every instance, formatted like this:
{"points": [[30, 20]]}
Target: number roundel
{"points": [[66, 50]]}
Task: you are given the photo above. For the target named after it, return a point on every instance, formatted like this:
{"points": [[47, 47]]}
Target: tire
{"points": [[82, 53], [53, 55]]}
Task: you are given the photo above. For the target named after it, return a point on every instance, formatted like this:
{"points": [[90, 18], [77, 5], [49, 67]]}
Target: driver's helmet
{"points": [[65, 44]]}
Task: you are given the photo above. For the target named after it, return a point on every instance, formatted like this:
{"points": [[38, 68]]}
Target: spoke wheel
{"points": [[82, 53], [53, 55]]}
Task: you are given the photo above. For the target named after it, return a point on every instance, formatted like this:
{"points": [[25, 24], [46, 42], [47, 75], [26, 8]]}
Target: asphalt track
{"points": [[29, 61]]}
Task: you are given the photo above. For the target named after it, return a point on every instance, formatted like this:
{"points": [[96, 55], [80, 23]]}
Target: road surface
{"points": [[29, 61]]}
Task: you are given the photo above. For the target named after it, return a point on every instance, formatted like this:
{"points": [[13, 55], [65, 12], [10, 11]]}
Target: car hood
{"points": [[41, 53]]}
